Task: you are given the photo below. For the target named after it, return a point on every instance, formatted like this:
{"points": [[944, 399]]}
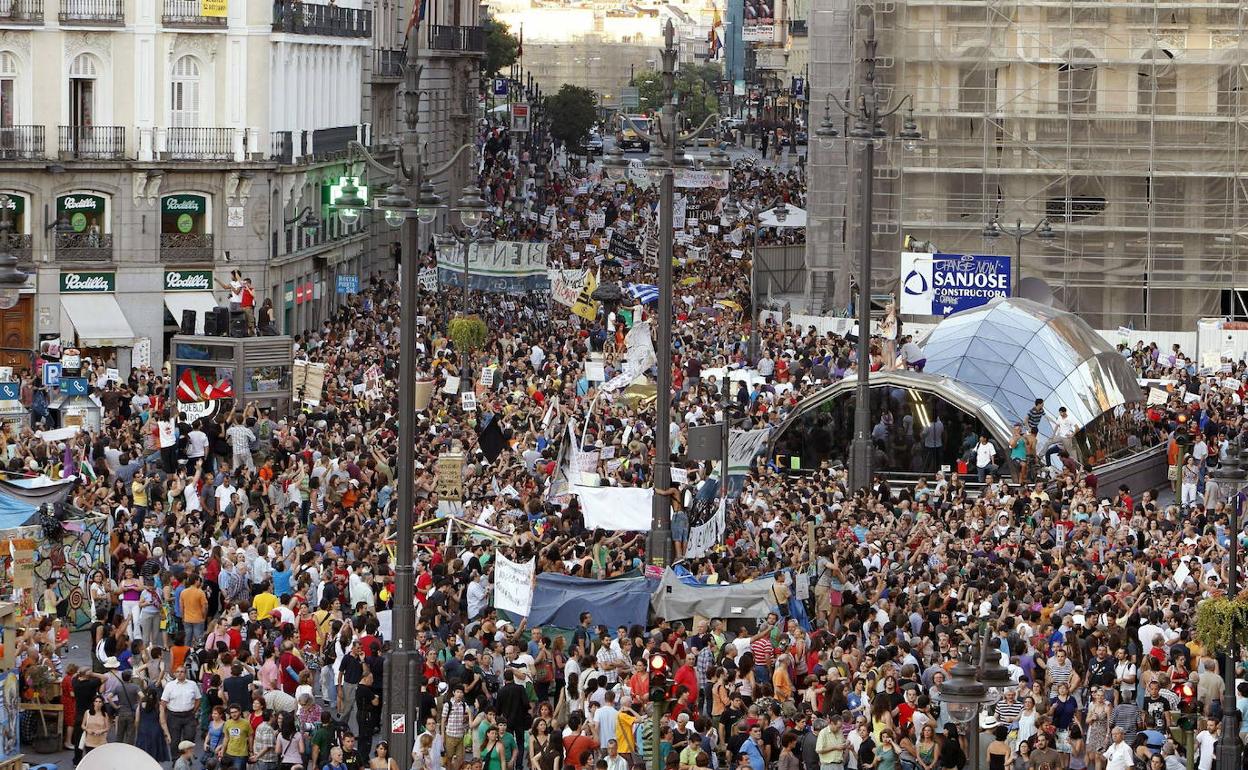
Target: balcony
{"points": [[300, 18], [196, 143], [23, 250], [92, 142], [84, 247], [443, 37], [388, 63], [93, 12], [21, 11], [186, 248], [322, 144], [189, 13], [21, 143]]}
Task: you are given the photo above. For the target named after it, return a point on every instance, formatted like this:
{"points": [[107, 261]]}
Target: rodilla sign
{"points": [[941, 284]]}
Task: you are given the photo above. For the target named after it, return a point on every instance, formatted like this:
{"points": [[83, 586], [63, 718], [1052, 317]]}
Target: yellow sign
{"points": [[215, 8], [585, 307]]}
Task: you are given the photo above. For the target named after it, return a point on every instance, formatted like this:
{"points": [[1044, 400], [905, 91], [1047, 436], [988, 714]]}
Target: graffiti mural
{"points": [[9, 743], [68, 562]]}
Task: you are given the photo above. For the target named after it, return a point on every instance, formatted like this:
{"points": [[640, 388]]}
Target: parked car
{"points": [[593, 145]]}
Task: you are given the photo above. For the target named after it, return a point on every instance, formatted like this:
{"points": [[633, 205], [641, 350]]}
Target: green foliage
{"points": [[1217, 617], [695, 84], [500, 47], [572, 113], [467, 332]]}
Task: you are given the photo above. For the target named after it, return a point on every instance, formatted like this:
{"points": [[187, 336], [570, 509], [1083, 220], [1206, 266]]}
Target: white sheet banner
{"points": [[743, 445], [639, 358], [707, 535], [616, 508], [513, 585], [566, 285]]}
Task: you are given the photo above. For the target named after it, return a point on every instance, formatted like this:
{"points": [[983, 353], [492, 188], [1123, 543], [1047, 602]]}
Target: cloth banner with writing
{"points": [[513, 585]]}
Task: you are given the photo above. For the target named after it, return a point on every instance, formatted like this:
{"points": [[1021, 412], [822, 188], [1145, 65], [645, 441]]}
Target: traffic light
{"points": [[660, 681]]}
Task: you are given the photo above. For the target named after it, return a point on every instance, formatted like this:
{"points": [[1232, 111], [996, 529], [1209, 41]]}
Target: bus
{"points": [[631, 133]]}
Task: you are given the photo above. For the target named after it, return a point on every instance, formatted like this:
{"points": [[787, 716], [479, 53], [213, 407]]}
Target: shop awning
{"points": [[98, 320], [202, 302]]}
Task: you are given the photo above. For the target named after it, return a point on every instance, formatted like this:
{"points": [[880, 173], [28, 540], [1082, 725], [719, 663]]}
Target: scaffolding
{"points": [[1120, 122]]}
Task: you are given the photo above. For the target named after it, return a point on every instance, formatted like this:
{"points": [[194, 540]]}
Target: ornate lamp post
{"points": [[1042, 230]]}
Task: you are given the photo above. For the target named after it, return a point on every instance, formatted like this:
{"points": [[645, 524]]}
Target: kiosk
{"points": [[259, 368]]}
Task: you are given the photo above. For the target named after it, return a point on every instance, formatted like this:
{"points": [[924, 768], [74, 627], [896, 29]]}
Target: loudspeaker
{"points": [[217, 323], [238, 325], [188, 322]]}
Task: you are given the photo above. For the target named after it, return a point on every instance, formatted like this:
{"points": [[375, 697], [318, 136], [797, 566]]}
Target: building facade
{"points": [[1121, 123]]}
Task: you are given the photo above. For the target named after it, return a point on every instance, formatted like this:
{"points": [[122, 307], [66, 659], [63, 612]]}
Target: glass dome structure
{"points": [[1013, 351]]}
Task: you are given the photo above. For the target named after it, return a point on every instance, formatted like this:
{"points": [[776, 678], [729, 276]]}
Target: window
{"points": [[1158, 84], [977, 82], [83, 66], [184, 93], [1076, 83], [8, 87]]}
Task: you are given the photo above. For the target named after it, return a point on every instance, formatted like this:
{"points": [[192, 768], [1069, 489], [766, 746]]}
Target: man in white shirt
{"points": [[1206, 741], [606, 717], [1064, 428], [985, 453], [478, 593], [1118, 755], [223, 494], [179, 708]]}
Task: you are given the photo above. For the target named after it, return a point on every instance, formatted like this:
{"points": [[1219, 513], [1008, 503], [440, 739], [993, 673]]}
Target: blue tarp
{"points": [[559, 600], [15, 512]]}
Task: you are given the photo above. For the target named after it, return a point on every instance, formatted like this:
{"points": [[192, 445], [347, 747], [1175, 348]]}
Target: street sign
{"points": [[348, 284], [51, 374], [630, 98], [398, 724], [74, 386], [500, 86], [520, 118], [941, 284], [10, 391]]}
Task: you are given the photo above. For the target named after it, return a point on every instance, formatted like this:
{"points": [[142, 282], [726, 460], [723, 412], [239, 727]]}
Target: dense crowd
{"points": [[244, 617]]}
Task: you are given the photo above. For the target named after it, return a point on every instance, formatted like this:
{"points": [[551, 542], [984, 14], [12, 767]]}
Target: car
{"points": [[593, 145], [801, 136], [632, 133]]}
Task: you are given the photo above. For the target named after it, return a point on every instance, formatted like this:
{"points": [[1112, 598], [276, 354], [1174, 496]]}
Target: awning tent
{"points": [[202, 302], [677, 599], [98, 320]]}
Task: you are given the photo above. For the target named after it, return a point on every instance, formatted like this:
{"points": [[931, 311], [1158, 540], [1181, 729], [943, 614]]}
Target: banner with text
{"points": [[513, 585], [704, 537], [509, 267], [941, 284], [743, 447]]}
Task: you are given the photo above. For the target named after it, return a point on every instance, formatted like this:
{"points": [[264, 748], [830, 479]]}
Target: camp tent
{"points": [[559, 600], [678, 598]]}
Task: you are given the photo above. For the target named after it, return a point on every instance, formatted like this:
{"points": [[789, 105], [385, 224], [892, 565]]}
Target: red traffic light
{"points": [[658, 664]]}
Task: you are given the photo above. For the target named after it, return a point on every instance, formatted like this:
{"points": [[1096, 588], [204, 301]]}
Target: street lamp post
{"points": [[1042, 230], [868, 114], [1231, 476], [472, 209], [408, 202], [661, 166], [755, 213]]}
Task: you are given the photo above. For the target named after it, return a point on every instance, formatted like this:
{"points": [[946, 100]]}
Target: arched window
{"points": [[184, 93], [1158, 84], [1076, 82], [82, 74], [83, 67], [8, 88], [1231, 84]]}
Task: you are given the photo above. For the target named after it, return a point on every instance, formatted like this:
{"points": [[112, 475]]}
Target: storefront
{"points": [[92, 317], [185, 229], [17, 204], [189, 290]]}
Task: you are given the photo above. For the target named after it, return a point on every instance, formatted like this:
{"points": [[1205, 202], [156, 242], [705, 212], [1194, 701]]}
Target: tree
{"points": [[695, 84], [572, 113], [500, 47]]}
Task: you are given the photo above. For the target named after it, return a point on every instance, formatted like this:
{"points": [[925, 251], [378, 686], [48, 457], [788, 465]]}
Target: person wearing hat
{"points": [[186, 756]]}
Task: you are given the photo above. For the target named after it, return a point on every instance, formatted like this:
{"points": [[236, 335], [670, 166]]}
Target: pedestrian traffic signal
{"points": [[660, 683]]}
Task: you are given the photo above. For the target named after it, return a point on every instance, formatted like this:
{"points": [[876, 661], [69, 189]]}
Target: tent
{"points": [[559, 600], [37, 490], [678, 599]]}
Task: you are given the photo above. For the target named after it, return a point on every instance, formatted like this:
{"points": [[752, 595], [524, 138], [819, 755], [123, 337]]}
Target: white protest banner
{"points": [[468, 401], [487, 377], [452, 385], [1181, 574], [639, 358], [513, 585], [596, 219], [428, 279], [1157, 396], [679, 212], [615, 509], [372, 382], [701, 179], [706, 536], [595, 371], [503, 266], [743, 446]]}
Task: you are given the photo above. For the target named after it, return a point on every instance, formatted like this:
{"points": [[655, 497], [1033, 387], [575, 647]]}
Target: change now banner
{"points": [[942, 284]]}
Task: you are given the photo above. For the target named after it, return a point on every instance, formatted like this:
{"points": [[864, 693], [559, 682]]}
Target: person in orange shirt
{"points": [[194, 609]]}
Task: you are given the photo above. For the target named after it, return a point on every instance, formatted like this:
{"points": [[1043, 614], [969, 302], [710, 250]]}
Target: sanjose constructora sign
{"points": [[188, 280], [88, 283]]}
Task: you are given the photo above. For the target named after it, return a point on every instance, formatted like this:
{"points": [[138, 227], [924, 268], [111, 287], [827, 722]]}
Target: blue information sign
{"points": [[10, 391], [52, 373], [348, 284], [500, 86], [941, 284], [74, 386]]}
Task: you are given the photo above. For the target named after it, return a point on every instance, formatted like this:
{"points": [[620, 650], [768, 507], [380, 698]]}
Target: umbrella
{"points": [[113, 755]]}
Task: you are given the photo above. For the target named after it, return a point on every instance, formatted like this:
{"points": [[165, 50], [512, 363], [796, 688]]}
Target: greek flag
{"points": [[643, 292]]}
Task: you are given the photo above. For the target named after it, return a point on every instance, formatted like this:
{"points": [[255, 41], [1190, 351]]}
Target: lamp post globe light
{"points": [[962, 693], [868, 134], [1043, 230]]}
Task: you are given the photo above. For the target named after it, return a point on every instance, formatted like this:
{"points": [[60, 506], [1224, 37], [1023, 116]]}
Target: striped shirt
{"points": [[1008, 713], [1058, 673], [1127, 716]]}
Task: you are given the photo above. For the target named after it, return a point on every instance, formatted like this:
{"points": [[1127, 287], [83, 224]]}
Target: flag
{"points": [[193, 388], [645, 293], [712, 38], [419, 7], [223, 389]]}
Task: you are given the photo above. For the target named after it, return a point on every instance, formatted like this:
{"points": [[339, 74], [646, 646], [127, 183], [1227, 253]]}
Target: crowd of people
{"points": [[244, 616]]}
